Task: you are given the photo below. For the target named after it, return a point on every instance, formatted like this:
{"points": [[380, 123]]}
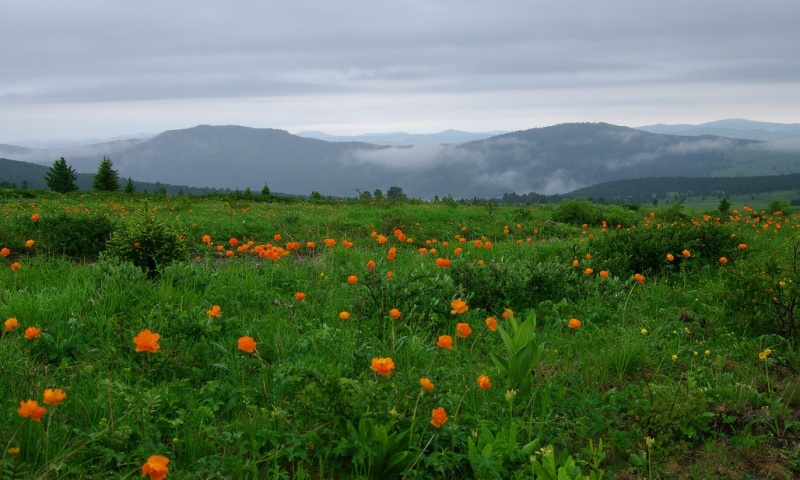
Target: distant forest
{"points": [[644, 190]]}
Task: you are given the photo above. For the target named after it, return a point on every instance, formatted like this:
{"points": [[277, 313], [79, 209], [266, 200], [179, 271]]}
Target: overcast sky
{"points": [[97, 69]]}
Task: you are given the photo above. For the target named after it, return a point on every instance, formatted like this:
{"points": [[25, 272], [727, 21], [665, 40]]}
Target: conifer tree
{"points": [[61, 177], [106, 179]]}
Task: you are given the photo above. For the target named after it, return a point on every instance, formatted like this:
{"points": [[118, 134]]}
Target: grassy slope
{"points": [[307, 405]]}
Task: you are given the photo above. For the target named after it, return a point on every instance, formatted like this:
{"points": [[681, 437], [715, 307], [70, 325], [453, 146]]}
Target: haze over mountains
{"points": [[548, 160]]}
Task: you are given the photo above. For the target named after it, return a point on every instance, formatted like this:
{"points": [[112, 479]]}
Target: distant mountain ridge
{"points": [[732, 128], [403, 138], [548, 160]]}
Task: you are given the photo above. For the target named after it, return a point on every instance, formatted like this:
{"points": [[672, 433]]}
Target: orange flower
{"points": [[5, 251], [446, 342], [229, 253], [426, 384], [371, 265], [603, 274], [246, 344], [484, 382], [300, 296], [32, 332], [382, 366], [639, 278], [438, 417], [311, 245], [330, 242], [352, 279], [574, 323], [233, 242], [347, 244], [686, 253], [277, 237], [458, 306], [588, 255], [35, 217], [31, 408], [156, 467], [11, 324], [30, 243], [147, 341], [575, 263], [344, 315], [54, 397], [588, 271], [491, 323], [394, 313], [214, 311], [508, 313], [381, 239], [463, 330], [206, 239], [723, 260], [15, 266], [670, 257], [389, 275], [442, 262], [458, 251], [742, 246], [392, 253]]}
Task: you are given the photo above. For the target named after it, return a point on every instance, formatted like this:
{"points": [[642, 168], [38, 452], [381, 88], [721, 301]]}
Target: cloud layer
{"points": [[95, 68]]}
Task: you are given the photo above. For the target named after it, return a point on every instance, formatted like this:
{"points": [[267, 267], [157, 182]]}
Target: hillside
{"points": [[549, 160]]}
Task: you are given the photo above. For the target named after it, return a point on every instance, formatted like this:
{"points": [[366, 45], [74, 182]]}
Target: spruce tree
{"points": [[130, 187], [61, 177], [106, 179]]}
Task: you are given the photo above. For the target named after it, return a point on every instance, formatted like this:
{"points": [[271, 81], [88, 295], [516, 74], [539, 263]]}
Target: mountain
{"points": [[732, 128], [401, 138], [548, 160]]}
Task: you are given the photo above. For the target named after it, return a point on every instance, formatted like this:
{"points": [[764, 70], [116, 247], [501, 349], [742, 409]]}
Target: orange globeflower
{"points": [[35, 217], [300, 296], [508, 313], [30, 243], [392, 253], [277, 237], [382, 366], [426, 384], [147, 341], [442, 262], [686, 253], [588, 255], [371, 265], [352, 279], [156, 467], [639, 278], [603, 274], [330, 242], [588, 271], [11, 324], [311, 245], [344, 315], [491, 323], [742, 246], [446, 342], [54, 397], [214, 311], [233, 242], [670, 257], [5, 251], [459, 306], [31, 409], [463, 330], [458, 251], [484, 382], [574, 323], [723, 260], [394, 313], [32, 332], [389, 275], [246, 344], [438, 417], [575, 263], [206, 239], [229, 253], [15, 266]]}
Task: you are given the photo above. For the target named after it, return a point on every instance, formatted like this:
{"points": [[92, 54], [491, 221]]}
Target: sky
{"points": [[100, 69]]}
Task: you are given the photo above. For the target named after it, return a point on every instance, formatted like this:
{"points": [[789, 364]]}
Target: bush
{"points": [[147, 242], [576, 211], [79, 236]]}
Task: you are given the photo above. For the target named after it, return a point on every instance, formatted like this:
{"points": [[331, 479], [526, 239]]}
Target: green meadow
{"points": [[241, 338]]}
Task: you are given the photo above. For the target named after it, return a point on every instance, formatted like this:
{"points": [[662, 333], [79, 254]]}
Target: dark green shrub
{"points": [[147, 242], [74, 235], [577, 211]]}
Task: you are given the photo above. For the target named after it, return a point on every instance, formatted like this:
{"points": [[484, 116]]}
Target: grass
{"points": [[662, 379]]}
